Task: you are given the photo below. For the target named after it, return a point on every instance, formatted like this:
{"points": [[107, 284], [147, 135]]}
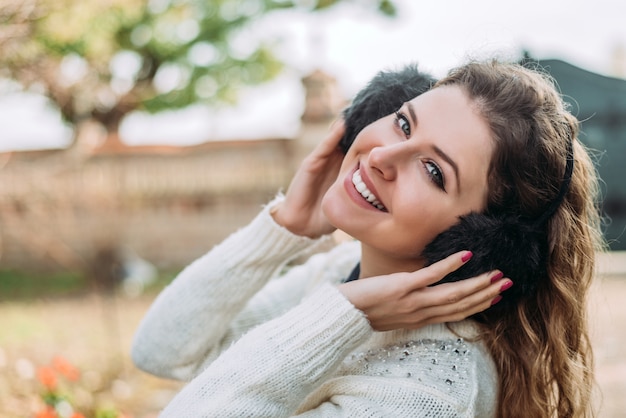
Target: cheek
{"points": [[421, 223], [331, 204]]}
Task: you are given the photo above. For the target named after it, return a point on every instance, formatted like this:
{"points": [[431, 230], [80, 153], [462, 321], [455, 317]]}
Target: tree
{"points": [[99, 60]]}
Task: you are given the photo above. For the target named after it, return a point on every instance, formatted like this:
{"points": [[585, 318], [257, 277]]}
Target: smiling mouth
{"points": [[365, 192]]}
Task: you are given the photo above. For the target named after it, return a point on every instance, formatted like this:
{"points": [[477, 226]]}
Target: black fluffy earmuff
{"points": [[382, 96], [508, 243], [515, 245]]}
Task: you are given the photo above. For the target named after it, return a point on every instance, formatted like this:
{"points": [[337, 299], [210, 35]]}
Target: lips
{"points": [[367, 194]]}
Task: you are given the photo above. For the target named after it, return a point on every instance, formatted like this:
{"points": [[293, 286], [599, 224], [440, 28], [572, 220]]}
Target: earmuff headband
{"points": [[567, 178]]}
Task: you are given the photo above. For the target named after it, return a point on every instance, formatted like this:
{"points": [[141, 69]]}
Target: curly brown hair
{"points": [[541, 346]]}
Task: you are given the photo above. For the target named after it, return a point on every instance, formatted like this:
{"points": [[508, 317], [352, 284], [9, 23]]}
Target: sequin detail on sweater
{"points": [[440, 364]]}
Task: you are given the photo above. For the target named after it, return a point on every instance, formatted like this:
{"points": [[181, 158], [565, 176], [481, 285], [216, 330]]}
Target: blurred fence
{"points": [[169, 207]]}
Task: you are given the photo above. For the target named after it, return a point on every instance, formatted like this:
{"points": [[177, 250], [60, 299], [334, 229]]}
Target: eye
{"points": [[403, 123], [436, 175]]}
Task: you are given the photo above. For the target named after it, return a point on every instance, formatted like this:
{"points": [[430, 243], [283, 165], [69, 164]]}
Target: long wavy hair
{"points": [[541, 345]]}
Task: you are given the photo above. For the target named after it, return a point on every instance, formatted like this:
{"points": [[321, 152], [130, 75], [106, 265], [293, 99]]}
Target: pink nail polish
{"points": [[497, 277], [506, 285], [496, 300], [466, 256]]}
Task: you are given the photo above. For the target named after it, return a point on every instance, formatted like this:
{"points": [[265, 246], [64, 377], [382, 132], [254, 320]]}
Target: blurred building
{"points": [[599, 102]]}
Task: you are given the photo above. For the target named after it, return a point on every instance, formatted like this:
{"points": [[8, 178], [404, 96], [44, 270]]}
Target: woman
{"points": [[490, 137]]}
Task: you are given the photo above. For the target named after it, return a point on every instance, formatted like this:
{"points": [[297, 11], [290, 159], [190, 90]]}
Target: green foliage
{"points": [[387, 8], [52, 398], [101, 60], [22, 285], [107, 413]]}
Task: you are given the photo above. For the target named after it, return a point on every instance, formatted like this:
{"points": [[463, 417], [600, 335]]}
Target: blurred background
{"points": [[136, 134]]}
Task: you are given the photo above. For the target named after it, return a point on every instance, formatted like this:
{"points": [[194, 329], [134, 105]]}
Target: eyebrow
{"points": [[437, 150], [409, 106], [451, 162]]}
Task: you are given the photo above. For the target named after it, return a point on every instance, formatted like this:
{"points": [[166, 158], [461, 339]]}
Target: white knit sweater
{"points": [[257, 345]]}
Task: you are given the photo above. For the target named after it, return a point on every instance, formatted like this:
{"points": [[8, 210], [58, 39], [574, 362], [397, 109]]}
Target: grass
{"points": [[24, 286], [19, 285]]}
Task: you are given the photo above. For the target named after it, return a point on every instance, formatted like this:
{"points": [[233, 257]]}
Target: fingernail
{"points": [[497, 277], [466, 256], [506, 286], [496, 300]]}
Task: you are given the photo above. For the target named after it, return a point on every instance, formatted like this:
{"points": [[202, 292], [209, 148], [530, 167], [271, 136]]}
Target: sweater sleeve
{"points": [[200, 312], [270, 370]]}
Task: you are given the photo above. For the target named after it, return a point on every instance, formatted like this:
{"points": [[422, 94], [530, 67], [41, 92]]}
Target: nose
{"points": [[385, 159]]}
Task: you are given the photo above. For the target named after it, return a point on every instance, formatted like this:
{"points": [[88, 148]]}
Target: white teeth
{"points": [[364, 191]]}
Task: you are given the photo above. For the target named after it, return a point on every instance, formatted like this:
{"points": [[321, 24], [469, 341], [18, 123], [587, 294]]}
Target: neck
{"points": [[376, 263]]}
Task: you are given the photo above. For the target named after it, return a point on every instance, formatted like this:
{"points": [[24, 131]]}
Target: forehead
{"points": [[448, 118]]}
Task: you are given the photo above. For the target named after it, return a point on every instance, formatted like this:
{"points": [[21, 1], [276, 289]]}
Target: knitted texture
{"points": [[254, 344]]}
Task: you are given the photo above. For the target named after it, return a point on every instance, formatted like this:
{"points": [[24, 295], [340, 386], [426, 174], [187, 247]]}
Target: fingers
{"points": [[435, 272], [453, 302], [404, 300], [331, 141], [336, 131], [327, 153]]}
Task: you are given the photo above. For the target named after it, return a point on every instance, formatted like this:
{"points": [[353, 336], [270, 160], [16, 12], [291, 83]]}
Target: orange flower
{"points": [[47, 377], [65, 368], [77, 415], [47, 413]]}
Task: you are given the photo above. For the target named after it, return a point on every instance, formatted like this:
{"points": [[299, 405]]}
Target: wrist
{"points": [[278, 216], [277, 212], [295, 222]]}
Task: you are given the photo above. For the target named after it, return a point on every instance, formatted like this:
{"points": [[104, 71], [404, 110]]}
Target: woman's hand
{"points": [[301, 211], [405, 300]]}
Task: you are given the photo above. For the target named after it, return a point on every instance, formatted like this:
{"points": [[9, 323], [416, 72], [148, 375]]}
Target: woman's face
{"points": [[410, 175]]}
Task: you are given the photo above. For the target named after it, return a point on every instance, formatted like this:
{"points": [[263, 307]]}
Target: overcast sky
{"points": [[352, 44]]}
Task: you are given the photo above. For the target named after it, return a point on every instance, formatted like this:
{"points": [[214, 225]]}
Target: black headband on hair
{"points": [[567, 178], [509, 242]]}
